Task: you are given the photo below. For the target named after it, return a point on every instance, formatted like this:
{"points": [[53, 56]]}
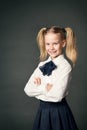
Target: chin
{"points": [[53, 57]]}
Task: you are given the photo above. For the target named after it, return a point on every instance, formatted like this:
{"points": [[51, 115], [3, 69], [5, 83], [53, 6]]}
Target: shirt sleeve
{"points": [[60, 84], [32, 89]]}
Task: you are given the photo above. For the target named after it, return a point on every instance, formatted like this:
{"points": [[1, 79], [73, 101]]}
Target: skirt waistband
{"points": [[45, 104]]}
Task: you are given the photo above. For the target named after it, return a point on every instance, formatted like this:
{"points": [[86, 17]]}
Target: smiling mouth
{"points": [[52, 52]]}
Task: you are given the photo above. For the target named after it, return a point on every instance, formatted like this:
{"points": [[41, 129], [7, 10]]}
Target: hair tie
{"points": [[64, 31]]}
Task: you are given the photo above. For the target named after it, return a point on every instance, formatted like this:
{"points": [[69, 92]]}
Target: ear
{"points": [[64, 43]]}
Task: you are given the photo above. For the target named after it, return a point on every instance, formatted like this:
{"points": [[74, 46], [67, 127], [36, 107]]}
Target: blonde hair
{"points": [[41, 43], [67, 34], [71, 48]]}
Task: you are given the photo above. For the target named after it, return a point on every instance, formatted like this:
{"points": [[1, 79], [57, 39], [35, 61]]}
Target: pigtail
{"points": [[41, 44], [71, 49]]}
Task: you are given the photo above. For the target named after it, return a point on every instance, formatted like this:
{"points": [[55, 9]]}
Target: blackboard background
{"points": [[20, 21]]}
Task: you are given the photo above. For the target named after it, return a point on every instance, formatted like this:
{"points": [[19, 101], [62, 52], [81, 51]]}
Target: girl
{"points": [[49, 82]]}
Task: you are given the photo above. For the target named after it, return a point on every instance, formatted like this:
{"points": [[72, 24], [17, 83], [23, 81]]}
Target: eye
{"points": [[47, 44], [56, 43]]}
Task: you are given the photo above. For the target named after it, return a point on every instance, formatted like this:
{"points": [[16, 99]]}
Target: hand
{"points": [[37, 81], [49, 86]]}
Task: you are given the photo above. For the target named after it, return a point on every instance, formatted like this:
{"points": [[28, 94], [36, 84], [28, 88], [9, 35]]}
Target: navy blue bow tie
{"points": [[47, 68]]}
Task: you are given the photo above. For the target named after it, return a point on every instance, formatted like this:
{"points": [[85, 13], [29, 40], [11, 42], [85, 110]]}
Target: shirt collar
{"points": [[58, 59]]}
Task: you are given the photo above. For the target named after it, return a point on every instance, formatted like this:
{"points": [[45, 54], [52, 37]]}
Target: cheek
{"points": [[46, 47], [59, 47]]}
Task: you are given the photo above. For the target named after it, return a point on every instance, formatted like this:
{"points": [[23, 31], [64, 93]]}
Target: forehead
{"points": [[49, 37]]}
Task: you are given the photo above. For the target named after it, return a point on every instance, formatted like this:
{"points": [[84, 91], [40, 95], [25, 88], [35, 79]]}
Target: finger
{"points": [[35, 81], [38, 81], [49, 86]]}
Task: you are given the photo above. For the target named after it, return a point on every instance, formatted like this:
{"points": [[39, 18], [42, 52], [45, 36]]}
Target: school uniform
{"points": [[53, 113]]}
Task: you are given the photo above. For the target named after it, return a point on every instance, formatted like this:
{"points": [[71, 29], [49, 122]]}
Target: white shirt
{"points": [[59, 78]]}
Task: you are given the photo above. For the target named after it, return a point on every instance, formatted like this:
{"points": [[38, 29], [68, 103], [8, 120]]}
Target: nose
{"points": [[51, 47]]}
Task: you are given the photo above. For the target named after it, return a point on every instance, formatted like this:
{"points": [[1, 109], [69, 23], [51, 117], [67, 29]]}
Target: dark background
{"points": [[20, 21]]}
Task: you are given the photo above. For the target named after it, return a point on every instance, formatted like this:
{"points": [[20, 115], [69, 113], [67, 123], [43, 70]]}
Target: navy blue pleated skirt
{"points": [[54, 116]]}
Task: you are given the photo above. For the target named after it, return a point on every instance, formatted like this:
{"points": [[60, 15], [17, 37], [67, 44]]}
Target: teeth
{"points": [[52, 52]]}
